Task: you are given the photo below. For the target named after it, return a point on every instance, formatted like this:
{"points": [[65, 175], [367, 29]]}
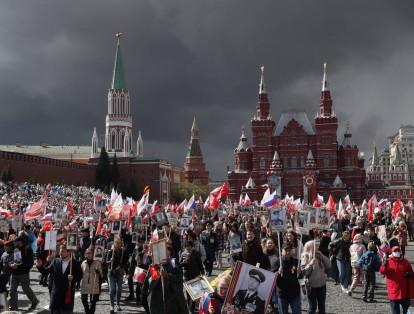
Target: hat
{"points": [[395, 248], [358, 238], [256, 274]]}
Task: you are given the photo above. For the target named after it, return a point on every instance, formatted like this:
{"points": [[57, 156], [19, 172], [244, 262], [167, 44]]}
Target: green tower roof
{"points": [[194, 150], [118, 77]]}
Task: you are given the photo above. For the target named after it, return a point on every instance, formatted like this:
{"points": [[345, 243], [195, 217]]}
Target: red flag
{"points": [[371, 205], [331, 205], [396, 208], [69, 207], [224, 191], [99, 227], [37, 209]]}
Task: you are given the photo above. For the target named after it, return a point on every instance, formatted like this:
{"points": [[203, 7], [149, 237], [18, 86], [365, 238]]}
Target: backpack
{"points": [[369, 262]]}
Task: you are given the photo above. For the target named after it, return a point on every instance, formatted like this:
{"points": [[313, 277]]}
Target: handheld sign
{"points": [[50, 240]]}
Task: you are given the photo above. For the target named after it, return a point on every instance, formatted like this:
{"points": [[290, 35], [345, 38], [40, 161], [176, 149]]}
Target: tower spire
{"points": [[262, 86], [324, 81], [194, 129], [374, 161], [118, 77]]}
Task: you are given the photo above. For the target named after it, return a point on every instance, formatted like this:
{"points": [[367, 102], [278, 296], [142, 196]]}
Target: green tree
{"points": [[103, 171], [180, 191], [132, 190], [6, 175], [115, 173]]}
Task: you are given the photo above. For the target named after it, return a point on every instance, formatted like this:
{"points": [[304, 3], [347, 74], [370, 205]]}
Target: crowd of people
{"points": [[350, 250]]}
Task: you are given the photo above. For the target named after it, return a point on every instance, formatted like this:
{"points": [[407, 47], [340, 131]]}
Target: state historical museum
{"points": [[295, 157]]}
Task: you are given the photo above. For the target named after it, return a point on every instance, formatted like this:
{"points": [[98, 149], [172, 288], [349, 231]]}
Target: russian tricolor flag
{"points": [[47, 218], [191, 203], [269, 200], [204, 303]]}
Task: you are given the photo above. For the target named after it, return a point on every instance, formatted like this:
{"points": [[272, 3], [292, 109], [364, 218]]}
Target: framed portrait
{"points": [[235, 245], [197, 287], [312, 217], [161, 219], [134, 237], [116, 227], [98, 253], [72, 241], [277, 219], [302, 221], [172, 219], [250, 290], [159, 251], [185, 222], [50, 240], [323, 217]]}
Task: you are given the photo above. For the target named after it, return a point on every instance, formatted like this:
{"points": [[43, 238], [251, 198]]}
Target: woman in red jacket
{"points": [[398, 271]]}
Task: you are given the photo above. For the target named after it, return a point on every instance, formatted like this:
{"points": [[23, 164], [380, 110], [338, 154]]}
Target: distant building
{"points": [[390, 174], [296, 157], [56, 164], [194, 166]]}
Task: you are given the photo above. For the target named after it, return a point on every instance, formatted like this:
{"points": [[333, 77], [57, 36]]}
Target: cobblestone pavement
{"points": [[337, 302]]}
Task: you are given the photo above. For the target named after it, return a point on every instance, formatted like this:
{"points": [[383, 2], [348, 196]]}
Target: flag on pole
{"points": [[331, 205], [371, 206]]}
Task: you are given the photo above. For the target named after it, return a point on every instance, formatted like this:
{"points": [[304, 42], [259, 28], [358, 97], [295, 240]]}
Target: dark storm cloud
{"points": [[186, 58]]}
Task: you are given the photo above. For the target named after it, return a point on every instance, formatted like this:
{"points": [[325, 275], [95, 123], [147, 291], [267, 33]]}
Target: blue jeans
{"points": [[316, 299], [115, 287], [395, 306], [344, 272], [294, 303]]}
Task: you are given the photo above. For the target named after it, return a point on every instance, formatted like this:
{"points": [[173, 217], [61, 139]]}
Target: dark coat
{"points": [[340, 249], [253, 303], [209, 241], [288, 284], [152, 292], [176, 243], [253, 254], [27, 261], [60, 284], [193, 267]]}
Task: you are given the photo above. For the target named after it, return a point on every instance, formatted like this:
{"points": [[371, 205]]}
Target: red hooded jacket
{"points": [[397, 283]]}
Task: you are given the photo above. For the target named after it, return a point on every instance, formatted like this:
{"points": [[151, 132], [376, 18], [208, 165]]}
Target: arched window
{"points": [[262, 164], [326, 161], [294, 162], [113, 140]]}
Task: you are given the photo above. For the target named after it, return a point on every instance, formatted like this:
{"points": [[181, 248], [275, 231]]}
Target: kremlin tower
{"points": [[118, 124], [194, 166]]}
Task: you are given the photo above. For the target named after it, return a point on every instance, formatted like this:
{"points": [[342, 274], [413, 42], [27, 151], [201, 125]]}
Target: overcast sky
{"points": [[184, 58]]}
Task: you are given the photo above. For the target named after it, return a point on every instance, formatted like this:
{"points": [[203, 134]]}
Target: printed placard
{"points": [[98, 253], [277, 219], [72, 241], [50, 240], [159, 251], [250, 290], [302, 221]]}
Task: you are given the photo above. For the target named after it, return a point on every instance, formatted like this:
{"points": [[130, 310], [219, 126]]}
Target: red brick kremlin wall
{"points": [[46, 170]]}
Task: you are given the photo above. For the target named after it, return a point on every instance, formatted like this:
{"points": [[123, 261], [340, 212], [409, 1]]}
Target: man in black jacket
{"points": [[192, 265], [20, 269], [65, 273]]}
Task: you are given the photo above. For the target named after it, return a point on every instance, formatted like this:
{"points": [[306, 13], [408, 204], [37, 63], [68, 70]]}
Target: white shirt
{"points": [[64, 266]]}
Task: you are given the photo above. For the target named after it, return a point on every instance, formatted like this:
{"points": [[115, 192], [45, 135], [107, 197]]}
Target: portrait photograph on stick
{"points": [[72, 241], [277, 219], [250, 289], [98, 253], [302, 221], [116, 227]]}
